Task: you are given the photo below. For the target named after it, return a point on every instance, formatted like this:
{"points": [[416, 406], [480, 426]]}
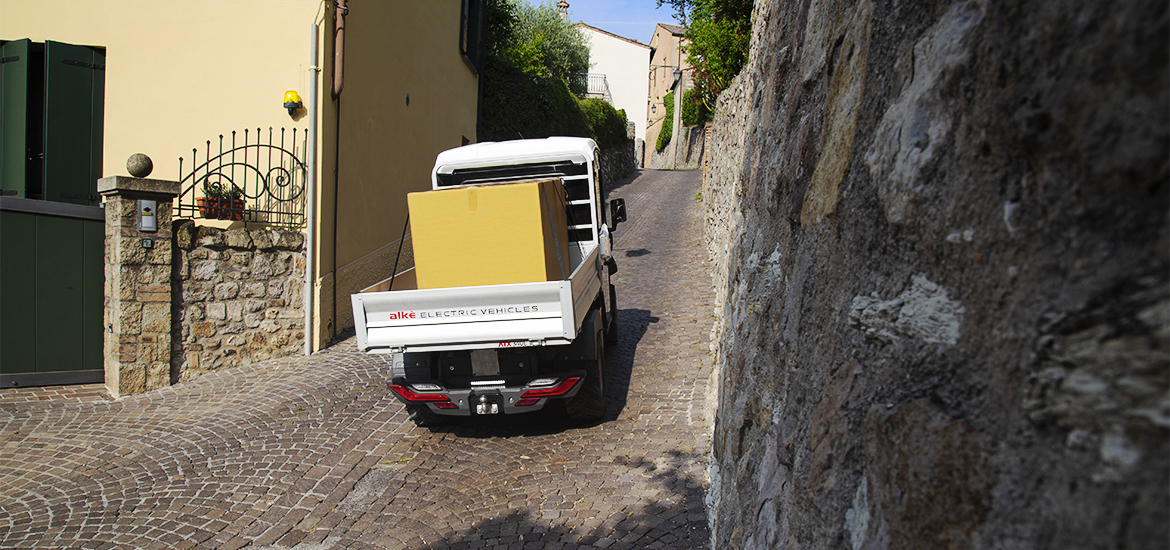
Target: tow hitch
{"points": [[484, 405]]}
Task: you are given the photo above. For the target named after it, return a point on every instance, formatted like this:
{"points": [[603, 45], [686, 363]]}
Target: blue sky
{"points": [[628, 18]]}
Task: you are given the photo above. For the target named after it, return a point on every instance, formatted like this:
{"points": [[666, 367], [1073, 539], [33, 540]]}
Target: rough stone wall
{"points": [[237, 297], [941, 231], [136, 310], [617, 162], [690, 151]]}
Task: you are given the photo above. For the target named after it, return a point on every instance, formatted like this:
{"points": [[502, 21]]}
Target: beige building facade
{"points": [[667, 64], [178, 74]]}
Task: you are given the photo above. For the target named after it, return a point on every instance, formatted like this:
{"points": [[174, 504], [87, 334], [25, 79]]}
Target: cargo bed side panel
{"points": [[495, 313]]}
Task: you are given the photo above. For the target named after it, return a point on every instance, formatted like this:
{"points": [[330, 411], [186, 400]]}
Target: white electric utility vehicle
{"points": [[506, 348]]}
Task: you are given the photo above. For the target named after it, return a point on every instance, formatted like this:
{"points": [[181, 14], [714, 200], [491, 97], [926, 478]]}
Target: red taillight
{"points": [[530, 397], [438, 399]]}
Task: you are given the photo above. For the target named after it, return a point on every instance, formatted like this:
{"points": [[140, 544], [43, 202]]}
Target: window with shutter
{"points": [[52, 113]]}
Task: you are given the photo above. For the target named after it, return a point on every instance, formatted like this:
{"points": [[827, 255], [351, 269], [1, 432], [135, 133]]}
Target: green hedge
{"points": [[667, 131], [694, 111], [518, 105], [608, 125]]}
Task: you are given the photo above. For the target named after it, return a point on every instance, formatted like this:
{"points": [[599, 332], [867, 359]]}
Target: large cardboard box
{"points": [[491, 234]]}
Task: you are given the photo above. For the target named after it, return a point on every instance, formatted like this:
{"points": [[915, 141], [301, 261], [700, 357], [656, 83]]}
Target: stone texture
{"points": [[691, 151], [137, 312], [139, 165], [942, 256], [230, 275], [617, 163]]}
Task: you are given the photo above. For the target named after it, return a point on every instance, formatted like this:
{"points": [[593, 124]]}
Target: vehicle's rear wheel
{"points": [[589, 403]]}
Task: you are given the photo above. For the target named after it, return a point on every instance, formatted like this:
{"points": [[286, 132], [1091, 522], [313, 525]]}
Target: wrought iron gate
{"points": [[252, 181]]}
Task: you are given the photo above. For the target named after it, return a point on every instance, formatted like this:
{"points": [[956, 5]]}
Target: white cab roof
{"points": [[521, 151]]}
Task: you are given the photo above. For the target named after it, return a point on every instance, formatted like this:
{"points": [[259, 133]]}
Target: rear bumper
{"points": [[488, 399]]}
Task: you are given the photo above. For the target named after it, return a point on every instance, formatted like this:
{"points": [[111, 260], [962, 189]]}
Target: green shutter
{"points": [[13, 115], [74, 103]]}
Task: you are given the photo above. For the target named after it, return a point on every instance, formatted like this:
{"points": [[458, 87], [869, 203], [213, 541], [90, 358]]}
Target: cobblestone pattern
{"points": [[315, 453], [238, 297], [55, 394]]}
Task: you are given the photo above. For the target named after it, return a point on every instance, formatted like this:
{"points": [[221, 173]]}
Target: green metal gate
{"points": [[51, 297], [52, 98]]}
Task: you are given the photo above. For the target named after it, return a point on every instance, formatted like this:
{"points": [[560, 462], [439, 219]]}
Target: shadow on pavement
{"points": [[619, 366], [628, 179], [655, 524]]}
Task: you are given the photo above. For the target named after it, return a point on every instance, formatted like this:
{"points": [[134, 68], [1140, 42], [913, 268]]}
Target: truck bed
{"points": [[477, 317]]}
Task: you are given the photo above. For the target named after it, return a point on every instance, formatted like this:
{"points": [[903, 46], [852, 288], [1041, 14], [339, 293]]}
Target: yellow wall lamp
{"points": [[292, 101]]}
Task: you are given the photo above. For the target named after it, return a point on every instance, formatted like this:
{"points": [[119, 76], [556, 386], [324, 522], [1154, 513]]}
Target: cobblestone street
{"points": [[316, 453]]}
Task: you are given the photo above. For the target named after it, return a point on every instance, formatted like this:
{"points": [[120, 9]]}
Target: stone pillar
{"points": [[137, 347]]}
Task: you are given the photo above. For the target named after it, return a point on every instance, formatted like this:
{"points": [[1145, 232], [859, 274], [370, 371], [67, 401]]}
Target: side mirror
{"points": [[617, 211]]}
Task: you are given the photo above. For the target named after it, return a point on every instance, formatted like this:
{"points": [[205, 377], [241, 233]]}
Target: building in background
{"points": [[668, 66], [619, 72]]}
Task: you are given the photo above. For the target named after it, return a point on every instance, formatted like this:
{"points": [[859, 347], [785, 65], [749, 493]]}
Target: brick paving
{"points": [[314, 453], [78, 392]]}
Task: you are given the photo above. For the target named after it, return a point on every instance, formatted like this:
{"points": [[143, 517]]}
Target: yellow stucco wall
{"points": [[180, 73], [387, 146]]}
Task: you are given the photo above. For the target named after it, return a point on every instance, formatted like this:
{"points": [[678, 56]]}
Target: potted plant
{"points": [[220, 203]]}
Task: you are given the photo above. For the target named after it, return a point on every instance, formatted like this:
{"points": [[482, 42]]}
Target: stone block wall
{"points": [[942, 252], [237, 297], [690, 153], [617, 162]]}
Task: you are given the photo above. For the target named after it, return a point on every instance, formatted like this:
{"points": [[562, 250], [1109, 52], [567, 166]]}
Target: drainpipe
{"points": [[338, 82], [339, 48], [311, 197]]}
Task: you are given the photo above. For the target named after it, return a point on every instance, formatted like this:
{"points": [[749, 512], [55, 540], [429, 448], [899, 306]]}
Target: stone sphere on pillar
{"points": [[139, 165]]}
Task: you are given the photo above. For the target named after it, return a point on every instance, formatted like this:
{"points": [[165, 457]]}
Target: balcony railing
{"points": [[597, 85]]}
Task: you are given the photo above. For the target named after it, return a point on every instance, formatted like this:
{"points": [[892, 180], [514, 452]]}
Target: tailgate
{"points": [[477, 317], [464, 317]]}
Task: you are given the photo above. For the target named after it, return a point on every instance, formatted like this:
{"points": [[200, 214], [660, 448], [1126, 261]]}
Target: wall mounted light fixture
{"points": [[292, 101]]}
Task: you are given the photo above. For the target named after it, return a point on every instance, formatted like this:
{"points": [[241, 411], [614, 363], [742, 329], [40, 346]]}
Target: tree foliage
{"points": [[544, 43], [532, 54], [719, 33], [694, 109], [499, 29]]}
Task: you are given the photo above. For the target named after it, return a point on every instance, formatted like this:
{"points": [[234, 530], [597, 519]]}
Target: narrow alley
{"points": [[315, 452]]}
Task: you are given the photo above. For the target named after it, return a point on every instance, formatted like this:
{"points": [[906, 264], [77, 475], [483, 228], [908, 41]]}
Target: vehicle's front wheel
{"points": [[589, 403]]}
